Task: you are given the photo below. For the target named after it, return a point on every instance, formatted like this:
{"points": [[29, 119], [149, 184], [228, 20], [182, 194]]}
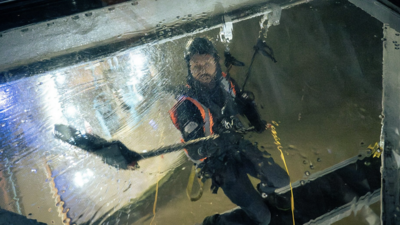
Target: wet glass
{"points": [[323, 94]]}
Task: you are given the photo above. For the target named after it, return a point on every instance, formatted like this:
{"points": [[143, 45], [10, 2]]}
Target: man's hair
{"points": [[201, 46]]}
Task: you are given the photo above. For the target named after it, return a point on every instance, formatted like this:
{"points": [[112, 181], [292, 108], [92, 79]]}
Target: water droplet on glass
{"points": [[302, 182], [311, 166], [318, 159], [33, 170], [307, 173], [305, 162]]}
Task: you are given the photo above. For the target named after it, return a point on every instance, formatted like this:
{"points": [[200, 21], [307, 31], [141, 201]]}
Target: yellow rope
{"points": [[279, 147], [158, 179], [155, 201], [376, 150]]}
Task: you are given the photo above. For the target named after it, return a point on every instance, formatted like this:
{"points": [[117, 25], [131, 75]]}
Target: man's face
{"points": [[203, 69]]}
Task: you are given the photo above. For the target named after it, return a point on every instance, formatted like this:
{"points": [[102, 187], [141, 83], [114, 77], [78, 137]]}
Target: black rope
{"points": [[265, 50]]}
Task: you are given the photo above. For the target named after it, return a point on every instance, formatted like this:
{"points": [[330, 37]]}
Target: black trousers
{"points": [[229, 172]]}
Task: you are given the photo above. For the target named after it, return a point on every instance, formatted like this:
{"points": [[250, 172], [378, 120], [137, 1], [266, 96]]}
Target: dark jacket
{"points": [[224, 102]]}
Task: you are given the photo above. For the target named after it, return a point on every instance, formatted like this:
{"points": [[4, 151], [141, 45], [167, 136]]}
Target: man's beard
{"points": [[210, 81]]}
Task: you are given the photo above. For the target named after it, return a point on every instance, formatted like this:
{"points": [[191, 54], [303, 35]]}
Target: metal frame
{"points": [[380, 11], [390, 208], [42, 47], [390, 194]]}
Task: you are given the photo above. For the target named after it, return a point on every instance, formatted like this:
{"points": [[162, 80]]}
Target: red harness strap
{"points": [[205, 114]]}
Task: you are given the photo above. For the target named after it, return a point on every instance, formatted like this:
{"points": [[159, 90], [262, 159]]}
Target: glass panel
{"points": [[323, 95]]}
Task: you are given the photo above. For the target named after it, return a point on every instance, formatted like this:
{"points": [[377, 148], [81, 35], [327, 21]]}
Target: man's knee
{"points": [[211, 220], [279, 178], [238, 216], [259, 213], [283, 181]]}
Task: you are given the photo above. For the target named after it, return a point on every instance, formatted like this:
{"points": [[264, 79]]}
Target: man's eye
{"points": [[207, 65]]}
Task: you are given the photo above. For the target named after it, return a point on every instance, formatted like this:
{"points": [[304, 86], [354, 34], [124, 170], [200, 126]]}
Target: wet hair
{"points": [[201, 46]]}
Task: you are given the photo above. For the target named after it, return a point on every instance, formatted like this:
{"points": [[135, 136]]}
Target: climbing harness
{"points": [[194, 173]]}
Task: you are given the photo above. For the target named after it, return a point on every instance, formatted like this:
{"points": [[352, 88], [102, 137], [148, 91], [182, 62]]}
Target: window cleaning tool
{"points": [[95, 144]]}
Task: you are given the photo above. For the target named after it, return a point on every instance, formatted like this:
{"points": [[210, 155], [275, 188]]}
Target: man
{"points": [[210, 105]]}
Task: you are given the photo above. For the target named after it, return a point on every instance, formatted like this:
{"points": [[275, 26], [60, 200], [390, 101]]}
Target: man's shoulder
{"points": [[185, 104], [185, 112]]}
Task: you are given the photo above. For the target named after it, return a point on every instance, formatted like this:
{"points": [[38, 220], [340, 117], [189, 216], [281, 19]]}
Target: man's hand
{"points": [[133, 165], [261, 126]]}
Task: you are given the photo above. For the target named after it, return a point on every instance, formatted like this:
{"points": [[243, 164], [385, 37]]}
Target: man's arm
{"points": [[247, 105]]}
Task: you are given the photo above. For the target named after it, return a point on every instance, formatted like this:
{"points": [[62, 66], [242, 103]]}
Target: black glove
{"points": [[260, 126]]}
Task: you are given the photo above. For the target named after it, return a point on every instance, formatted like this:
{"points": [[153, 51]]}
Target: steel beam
{"points": [[390, 130], [95, 34], [379, 11]]}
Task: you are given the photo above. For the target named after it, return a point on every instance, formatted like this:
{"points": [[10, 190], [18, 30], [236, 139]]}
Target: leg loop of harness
{"points": [[194, 174]]}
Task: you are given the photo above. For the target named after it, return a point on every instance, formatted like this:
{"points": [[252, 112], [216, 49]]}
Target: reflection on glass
{"points": [[81, 178]]}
